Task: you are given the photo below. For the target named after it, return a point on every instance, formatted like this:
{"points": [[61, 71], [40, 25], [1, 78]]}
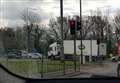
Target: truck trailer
{"points": [[89, 49]]}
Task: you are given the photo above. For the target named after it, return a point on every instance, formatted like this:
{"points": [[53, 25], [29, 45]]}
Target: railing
{"points": [[35, 68]]}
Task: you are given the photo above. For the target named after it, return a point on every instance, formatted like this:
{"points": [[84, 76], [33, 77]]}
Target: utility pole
{"points": [[81, 32], [62, 38]]}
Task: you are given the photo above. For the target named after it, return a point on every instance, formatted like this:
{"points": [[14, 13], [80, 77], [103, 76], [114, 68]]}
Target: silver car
{"points": [[35, 55]]}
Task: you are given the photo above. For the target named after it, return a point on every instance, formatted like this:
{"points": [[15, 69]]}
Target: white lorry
{"points": [[89, 48]]}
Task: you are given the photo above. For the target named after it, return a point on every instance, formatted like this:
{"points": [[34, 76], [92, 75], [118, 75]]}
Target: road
{"points": [[108, 70]]}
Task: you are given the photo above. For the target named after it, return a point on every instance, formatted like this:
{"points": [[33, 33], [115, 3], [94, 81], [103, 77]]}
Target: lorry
{"points": [[89, 49]]}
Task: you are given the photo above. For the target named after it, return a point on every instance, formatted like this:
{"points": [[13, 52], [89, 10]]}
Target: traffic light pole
{"points": [[75, 45], [81, 32], [62, 39]]}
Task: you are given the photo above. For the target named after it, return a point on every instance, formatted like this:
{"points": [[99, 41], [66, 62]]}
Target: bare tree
{"points": [[116, 21], [88, 27], [39, 32], [8, 38], [94, 25], [55, 28], [19, 38], [30, 18]]}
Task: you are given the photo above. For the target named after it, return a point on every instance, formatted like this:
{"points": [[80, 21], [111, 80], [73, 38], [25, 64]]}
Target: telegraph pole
{"points": [[62, 39], [81, 32]]}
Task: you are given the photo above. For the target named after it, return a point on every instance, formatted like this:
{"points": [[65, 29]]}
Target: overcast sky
{"points": [[11, 10]]}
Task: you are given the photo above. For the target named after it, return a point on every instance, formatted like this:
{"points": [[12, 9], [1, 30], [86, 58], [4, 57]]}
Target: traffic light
{"points": [[72, 26], [78, 25]]}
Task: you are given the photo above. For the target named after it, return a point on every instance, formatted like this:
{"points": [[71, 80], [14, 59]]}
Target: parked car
{"points": [[24, 54], [13, 55], [35, 55]]}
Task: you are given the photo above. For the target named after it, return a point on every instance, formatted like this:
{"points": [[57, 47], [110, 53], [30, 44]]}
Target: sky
{"points": [[11, 10]]}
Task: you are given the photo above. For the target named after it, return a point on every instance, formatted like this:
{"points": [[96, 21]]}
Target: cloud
{"points": [[114, 4], [12, 9]]}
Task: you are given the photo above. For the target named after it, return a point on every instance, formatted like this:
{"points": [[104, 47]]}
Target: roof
{"points": [[53, 44]]}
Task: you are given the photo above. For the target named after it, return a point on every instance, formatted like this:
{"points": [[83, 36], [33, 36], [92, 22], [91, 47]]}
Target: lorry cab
{"points": [[54, 50]]}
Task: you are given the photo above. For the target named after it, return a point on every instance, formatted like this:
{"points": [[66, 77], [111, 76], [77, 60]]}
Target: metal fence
{"points": [[38, 68]]}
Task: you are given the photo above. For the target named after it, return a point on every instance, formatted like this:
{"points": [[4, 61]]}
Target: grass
{"points": [[33, 66], [30, 66]]}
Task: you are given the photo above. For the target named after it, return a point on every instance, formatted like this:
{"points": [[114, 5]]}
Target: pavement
{"points": [[109, 69]]}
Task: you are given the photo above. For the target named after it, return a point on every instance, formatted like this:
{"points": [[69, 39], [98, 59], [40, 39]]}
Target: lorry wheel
{"points": [[52, 57], [49, 57]]}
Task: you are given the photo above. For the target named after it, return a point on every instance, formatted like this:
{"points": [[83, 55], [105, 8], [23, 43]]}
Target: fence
{"points": [[36, 68]]}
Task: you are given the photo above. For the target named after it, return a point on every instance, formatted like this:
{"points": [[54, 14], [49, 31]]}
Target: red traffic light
{"points": [[72, 23], [72, 26]]}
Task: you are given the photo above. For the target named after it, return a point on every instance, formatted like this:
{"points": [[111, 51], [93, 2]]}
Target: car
{"points": [[35, 55], [24, 54], [13, 55]]}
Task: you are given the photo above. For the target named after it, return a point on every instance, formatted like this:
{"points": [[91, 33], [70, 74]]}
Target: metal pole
{"points": [[75, 46], [90, 57], [62, 39], [28, 41], [42, 67], [98, 50], [91, 50], [81, 31]]}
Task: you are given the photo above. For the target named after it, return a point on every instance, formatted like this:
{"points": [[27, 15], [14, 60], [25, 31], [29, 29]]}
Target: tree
{"points": [[88, 27], [55, 29], [1, 43], [20, 38], [116, 26], [38, 34], [30, 18], [95, 24], [8, 38], [116, 21]]}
